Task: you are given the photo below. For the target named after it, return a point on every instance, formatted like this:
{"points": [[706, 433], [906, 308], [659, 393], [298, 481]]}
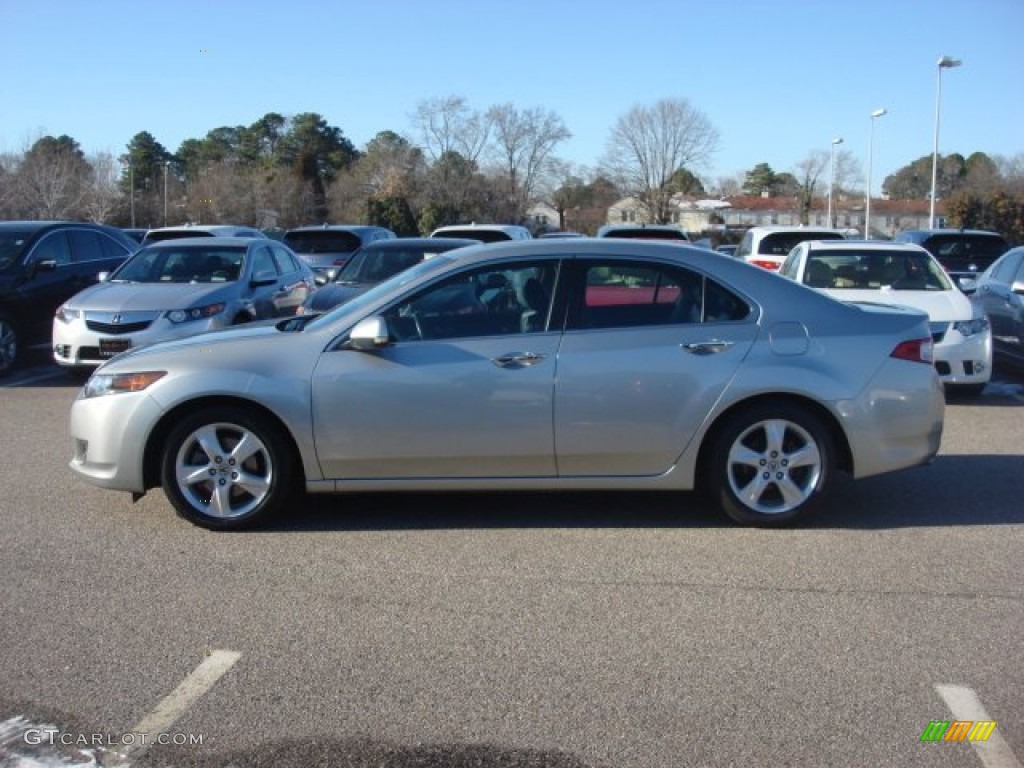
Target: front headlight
{"points": [[66, 315], [196, 313], [976, 325], [101, 384]]}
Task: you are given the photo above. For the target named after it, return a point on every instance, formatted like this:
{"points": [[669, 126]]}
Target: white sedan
{"points": [[907, 275]]}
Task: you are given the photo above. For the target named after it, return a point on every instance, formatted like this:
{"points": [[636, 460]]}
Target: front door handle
{"points": [[518, 360], [707, 347]]}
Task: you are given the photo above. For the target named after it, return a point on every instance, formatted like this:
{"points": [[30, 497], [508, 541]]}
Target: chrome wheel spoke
{"points": [[741, 454], [209, 442], [189, 475], [246, 448], [255, 485], [805, 456], [220, 502]]}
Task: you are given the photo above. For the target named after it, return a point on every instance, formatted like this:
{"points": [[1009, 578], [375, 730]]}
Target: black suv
{"points": [[42, 265], [963, 253]]}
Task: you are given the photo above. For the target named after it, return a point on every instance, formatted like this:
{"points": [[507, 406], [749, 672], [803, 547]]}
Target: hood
{"points": [[940, 306], [124, 297], [333, 294]]}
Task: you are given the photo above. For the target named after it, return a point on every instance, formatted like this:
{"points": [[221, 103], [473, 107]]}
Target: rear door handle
{"points": [[518, 360], [707, 347]]}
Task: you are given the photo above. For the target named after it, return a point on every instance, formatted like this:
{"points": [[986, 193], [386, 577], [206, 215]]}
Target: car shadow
{"points": [[958, 490]]}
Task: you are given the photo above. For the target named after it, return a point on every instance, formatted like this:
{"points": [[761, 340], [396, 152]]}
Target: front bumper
{"points": [[75, 345], [964, 359]]}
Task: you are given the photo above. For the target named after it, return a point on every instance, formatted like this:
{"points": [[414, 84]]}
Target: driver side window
{"points": [[53, 247], [486, 301]]}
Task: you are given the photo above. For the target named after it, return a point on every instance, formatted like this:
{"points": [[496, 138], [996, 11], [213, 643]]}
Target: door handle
{"points": [[707, 347], [518, 360]]}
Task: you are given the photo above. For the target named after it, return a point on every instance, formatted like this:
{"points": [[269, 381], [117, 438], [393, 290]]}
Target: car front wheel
{"points": [[227, 468], [771, 464]]}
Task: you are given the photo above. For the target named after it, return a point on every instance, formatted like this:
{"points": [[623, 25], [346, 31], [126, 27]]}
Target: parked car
{"points": [[906, 275], [575, 364], [327, 247], [485, 233], [768, 246], [375, 263], [644, 232], [1000, 295], [963, 253], [177, 288], [199, 230], [42, 265]]}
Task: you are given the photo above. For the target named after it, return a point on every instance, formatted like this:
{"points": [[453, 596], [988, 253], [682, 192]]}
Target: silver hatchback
{"points": [[542, 364]]}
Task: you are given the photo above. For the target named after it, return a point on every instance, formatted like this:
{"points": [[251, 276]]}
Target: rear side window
{"points": [[53, 247]]}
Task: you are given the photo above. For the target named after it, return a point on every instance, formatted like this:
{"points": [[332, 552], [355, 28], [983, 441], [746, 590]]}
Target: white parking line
{"points": [[964, 704], [181, 698]]}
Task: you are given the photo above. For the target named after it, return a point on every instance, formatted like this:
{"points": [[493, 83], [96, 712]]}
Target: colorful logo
{"points": [[958, 730]]}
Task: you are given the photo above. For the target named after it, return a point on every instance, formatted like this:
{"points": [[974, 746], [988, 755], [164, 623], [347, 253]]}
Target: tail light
{"points": [[915, 350], [765, 264]]}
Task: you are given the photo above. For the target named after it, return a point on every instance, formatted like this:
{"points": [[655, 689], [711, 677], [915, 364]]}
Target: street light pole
{"points": [[832, 178], [871, 149], [167, 165], [131, 188], [945, 62]]}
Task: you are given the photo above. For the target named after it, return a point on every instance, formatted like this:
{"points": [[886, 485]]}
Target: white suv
{"points": [[768, 246]]}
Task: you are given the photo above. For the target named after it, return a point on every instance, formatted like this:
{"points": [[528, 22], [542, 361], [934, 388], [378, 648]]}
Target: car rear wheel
{"points": [[771, 465], [227, 468], [8, 345]]}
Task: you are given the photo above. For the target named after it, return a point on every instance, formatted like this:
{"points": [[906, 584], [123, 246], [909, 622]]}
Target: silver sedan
{"points": [[544, 364]]}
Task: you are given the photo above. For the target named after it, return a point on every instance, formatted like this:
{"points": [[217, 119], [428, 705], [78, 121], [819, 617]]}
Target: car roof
{"points": [[204, 242], [930, 232], [338, 228], [399, 243], [514, 231], [862, 245]]}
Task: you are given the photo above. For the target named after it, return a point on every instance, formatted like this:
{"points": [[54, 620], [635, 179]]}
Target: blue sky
{"points": [[777, 79]]}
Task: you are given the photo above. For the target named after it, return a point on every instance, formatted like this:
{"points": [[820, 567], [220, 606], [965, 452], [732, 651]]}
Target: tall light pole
{"points": [[131, 188], [167, 166], [867, 202], [832, 178], [945, 62]]}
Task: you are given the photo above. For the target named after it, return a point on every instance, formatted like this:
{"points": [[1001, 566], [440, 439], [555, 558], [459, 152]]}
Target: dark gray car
{"points": [[375, 263], [326, 248], [1000, 294]]}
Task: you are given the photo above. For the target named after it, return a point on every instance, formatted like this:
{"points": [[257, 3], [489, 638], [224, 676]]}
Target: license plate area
{"points": [[111, 347]]}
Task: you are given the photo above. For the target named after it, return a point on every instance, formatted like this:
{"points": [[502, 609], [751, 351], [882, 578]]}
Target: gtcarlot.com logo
{"points": [[53, 737], [958, 730]]}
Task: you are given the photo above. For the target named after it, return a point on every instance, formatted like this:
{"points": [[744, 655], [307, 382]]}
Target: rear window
{"points": [[325, 241], [781, 243], [156, 237], [483, 235], [644, 233], [985, 247]]}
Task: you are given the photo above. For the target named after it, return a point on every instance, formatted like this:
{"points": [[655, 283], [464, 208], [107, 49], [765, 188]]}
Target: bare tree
{"points": [[807, 173], [523, 142], [52, 178], [447, 125], [102, 191], [649, 144]]}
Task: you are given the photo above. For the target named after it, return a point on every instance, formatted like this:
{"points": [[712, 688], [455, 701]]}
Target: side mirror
{"points": [[369, 334], [320, 279], [263, 277], [1018, 287], [968, 284]]}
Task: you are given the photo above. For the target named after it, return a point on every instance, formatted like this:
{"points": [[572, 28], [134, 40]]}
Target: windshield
{"points": [[875, 269], [373, 266], [206, 264], [12, 246], [357, 304], [781, 243]]}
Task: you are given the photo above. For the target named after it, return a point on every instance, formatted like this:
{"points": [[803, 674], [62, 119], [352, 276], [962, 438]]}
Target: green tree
{"points": [[316, 152], [998, 211], [760, 180], [683, 182]]}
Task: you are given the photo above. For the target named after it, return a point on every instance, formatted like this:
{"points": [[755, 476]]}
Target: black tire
{"points": [[10, 347], [227, 491], [771, 464]]}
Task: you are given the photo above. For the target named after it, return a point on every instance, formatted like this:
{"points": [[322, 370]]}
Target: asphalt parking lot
{"points": [[571, 631]]}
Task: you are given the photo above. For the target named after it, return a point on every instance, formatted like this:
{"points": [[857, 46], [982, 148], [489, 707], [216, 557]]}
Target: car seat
{"points": [[819, 275]]}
